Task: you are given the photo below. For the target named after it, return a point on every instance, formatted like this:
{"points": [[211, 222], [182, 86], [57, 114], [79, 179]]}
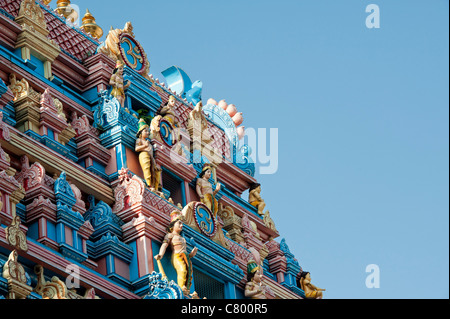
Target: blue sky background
{"points": [[362, 117]]}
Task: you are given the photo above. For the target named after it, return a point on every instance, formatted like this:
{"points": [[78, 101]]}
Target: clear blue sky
{"points": [[362, 117]]}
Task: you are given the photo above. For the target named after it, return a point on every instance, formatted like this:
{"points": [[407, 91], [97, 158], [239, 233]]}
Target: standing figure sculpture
{"points": [[116, 81], [205, 190], [152, 171], [181, 260], [311, 291], [254, 289], [254, 198]]}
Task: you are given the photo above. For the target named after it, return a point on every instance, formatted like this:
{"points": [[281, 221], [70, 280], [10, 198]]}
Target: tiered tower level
{"points": [[84, 210]]}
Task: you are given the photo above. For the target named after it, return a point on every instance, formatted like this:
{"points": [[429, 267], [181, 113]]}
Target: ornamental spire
{"points": [[90, 27]]}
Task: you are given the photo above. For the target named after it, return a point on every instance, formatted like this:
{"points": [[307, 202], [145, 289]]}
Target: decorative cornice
{"points": [[86, 181], [103, 220]]}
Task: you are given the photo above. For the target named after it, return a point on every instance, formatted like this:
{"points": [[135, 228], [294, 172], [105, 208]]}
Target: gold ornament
{"points": [[90, 27]]}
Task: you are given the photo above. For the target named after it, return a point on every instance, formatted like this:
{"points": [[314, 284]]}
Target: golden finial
{"points": [[90, 27], [46, 2], [63, 8]]}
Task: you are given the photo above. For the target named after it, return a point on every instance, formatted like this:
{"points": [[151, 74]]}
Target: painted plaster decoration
{"points": [[111, 44], [81, 125], [59, 109], [20, 88], [16, 276], [90, 26], [52, 117], [236, 117], [194, 95], [168, 111], [254, 289], [89, 294], [232, 223], [32, 11], [46, 2], [205, 190], [80, 205], [198, 125], [161, 288], [268, 221], [164, 126], [4, 130], [198, 217], [311, 291], [181, 260], [152, 171], [179, 82], [56, 288], [121, 45], [15, 236], [117, 83], [34, 36], [130, 186], [30, 176], [254, 198]]}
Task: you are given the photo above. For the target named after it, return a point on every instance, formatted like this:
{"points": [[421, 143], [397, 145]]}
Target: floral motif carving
{"points": [[31, 10], [16, 276], [32, 176], [163, 289], [15, 236], [131, 187]]}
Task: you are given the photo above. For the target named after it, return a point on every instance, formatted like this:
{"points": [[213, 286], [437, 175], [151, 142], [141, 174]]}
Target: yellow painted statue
{"points": [[311, 291], [152, 171], [254, 289], [205, 190], [181, 260], [254, 198]]}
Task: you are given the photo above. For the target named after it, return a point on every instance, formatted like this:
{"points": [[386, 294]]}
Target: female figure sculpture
{"points": [[181, 260], [152, 172], [205, 191], [311, 291], [254, 288]]}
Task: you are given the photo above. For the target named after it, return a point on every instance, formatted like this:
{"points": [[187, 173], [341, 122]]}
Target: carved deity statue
{"points": [[254, 289], [168, 111], [181, 260], [152, 171], [198, 124], [254, 198], [311, 291], [118, 87], [206, 192]]}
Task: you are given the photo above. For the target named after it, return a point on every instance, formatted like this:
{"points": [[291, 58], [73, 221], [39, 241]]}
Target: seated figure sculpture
{"points": [[168, 111], [254, 198], [311, 291]]}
